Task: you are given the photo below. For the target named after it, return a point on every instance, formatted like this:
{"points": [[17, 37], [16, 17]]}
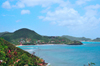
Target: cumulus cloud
{"points": [[72, 19], [25, 12], [80, 2], [6, 5], [20, 5], [62, 16], [92, 10]]}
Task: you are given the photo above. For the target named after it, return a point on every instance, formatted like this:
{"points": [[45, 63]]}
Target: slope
{"points": [[26, 36], [13, 56]]}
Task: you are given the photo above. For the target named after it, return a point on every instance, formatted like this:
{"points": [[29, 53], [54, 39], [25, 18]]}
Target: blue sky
{"points": [[79, 18]]}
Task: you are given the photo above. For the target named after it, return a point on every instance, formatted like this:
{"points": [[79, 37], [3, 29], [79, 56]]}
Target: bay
{"points": [[67, 55]]}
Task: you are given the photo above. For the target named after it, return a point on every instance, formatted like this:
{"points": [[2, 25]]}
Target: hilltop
{"points": [[26, 36], [13, 56]]}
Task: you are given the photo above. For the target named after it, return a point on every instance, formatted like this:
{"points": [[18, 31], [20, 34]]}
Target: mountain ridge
{"points": [[77, 38]]}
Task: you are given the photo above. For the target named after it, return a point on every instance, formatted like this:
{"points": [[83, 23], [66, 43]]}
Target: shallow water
{"points": [[67, 55]]}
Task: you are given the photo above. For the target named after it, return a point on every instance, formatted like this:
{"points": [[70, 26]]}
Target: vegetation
{"points": [[90, 64], [3, 33], [26, 36], [97, 39], [13, 56], [77, 38]]}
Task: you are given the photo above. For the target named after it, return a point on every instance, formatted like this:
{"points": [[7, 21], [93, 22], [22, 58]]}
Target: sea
{"points": [[67, 55]]}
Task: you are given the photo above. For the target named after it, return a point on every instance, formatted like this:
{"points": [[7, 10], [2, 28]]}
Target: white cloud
{"points": [[80, 2], [41, 17], [44, 3], [20, 5], [92, 10], [18, 20], [91, 13], [10, 0], [47, 9], [25, 12], [72, 19], [6, 5], [97, 6], [3, 15], [53, 23], [66, 3]]}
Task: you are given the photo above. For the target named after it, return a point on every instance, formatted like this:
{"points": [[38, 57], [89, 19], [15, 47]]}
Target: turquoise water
{"points": [[67, 55]]}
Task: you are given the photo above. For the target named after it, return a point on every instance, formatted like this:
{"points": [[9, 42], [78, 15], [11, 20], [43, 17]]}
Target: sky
{"points": [[79, 18]]}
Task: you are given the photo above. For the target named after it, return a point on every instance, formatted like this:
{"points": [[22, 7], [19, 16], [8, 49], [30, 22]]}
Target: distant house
{"points": [[52, 41], [28, 40]]}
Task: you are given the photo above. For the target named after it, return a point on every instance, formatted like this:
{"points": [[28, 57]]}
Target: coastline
{"points": [[46, 64], [69, 49], [41, 44], [48, 44], [15, 54]]}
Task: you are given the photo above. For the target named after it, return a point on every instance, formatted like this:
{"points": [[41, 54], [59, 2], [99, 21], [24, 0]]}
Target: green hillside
{"points": [[97, 39], [26, 33], [26, 36], [77, 38], [13, 56], [3, 33]]}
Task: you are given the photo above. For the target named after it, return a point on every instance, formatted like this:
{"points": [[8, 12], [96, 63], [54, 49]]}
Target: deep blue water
{"points": [[67, 55]]}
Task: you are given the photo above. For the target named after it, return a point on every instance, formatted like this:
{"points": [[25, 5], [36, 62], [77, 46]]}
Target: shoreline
{"points": [[47, 44], [46, 64], [41, 44], [44, 44]]}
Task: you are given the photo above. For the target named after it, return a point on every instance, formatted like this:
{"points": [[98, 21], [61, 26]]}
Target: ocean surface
{"points": [[67, 55]]}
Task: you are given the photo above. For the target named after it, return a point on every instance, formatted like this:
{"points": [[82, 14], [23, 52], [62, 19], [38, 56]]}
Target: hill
{"points": [[3, 33], [26, 33], [26, 36], [22, 35], [13, 56], [97, 39], [77, 38]]}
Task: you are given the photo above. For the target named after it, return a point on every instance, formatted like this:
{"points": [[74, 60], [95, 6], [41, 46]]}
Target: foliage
{"points": [[13, 56], [77, 38], [26, 36], [97, 39]]}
